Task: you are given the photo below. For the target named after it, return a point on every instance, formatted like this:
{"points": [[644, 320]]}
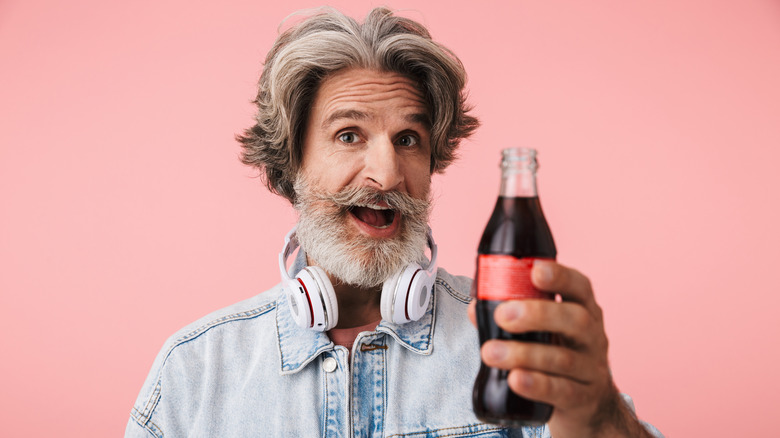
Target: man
{"points": [[353, 120]]}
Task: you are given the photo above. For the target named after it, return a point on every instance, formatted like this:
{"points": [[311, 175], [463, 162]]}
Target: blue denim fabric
{"points": [[249, 370]]}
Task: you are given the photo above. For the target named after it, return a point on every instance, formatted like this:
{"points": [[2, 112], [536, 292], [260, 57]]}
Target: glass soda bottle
{"points": [[516, 234]]}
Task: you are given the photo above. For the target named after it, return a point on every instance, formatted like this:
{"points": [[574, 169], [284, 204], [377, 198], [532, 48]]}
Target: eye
{"points": [[348, 137], [408, 140]]}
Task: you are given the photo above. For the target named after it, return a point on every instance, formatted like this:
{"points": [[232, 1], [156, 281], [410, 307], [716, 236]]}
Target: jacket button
{"points": [[329, 364]]}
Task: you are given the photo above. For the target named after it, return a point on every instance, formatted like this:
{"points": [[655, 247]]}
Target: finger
{"points": [[473, 312], [569, 283], [547, 359], [558, 391], [571, 320]]}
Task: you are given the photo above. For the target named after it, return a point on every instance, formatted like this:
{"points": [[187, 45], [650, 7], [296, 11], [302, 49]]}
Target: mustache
{"points": [[350, 197]]}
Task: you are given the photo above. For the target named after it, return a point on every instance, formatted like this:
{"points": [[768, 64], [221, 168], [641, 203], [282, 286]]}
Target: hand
{"points": [[572, 375]]}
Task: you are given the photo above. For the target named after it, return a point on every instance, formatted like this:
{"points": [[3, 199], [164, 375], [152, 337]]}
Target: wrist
{"points": [[615, 419]]}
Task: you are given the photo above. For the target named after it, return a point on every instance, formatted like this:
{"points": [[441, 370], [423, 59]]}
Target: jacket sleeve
{"points": [[140, 423], [135, 430]]}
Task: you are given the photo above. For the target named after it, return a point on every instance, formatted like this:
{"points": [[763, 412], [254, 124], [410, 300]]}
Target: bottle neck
{"points": [[518, 173]]}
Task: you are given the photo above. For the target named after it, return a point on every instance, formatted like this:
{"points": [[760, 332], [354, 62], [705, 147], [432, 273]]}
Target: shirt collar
{"points": [[298, 346], [416, 336]]}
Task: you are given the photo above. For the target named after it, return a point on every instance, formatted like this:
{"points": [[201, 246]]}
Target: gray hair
{"points": [[304, 55]]}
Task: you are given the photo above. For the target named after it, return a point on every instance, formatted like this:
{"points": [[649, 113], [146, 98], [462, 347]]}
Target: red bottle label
{"points": [[504, 277]]}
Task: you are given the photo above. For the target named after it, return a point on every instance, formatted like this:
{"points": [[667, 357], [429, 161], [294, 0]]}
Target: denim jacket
{"points": [[249, 370]]}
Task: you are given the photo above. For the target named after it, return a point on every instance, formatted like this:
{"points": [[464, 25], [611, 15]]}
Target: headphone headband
{"points": [[290, 245]]}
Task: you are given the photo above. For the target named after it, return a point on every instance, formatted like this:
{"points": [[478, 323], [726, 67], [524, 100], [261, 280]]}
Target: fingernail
{"points": [[527, 380], [496, 351], [509, 311], [544, 271]]}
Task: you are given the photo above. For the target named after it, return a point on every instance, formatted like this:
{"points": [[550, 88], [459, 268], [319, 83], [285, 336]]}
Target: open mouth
{"points": [[375, 216]]}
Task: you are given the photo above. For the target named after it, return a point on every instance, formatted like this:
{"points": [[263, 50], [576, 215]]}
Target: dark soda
{"points": [[516, 234]]}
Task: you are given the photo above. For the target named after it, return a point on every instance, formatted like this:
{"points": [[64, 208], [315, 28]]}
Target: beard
{"points": [[342, 250]]}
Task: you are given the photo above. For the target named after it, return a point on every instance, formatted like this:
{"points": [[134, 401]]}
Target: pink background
{"points": [[125, 214]]}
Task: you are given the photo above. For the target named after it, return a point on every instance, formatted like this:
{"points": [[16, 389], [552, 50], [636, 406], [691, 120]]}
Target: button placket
{"points": [[336, 404], [368, 385]]}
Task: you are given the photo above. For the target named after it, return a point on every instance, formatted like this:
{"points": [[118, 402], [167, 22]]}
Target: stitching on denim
{"points": [[279, 340], [384, 387], [249, 314], [284, 366], [157, 429], [151, 403], [288, 369], [326, 404], [460, 432], [434, 302], [144, 422], [453, 293]]}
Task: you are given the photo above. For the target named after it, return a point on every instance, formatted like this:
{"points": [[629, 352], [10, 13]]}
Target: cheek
{"points": [[331, 175], [419, 182]]}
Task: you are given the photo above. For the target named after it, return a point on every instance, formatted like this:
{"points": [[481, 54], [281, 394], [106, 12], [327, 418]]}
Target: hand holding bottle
{"points": [[573, 374]]}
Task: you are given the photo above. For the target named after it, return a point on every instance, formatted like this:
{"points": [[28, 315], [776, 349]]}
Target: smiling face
{"points": [[365, 176]]}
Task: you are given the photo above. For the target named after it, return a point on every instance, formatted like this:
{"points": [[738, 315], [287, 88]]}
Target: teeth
{"points": [[373, 207]]}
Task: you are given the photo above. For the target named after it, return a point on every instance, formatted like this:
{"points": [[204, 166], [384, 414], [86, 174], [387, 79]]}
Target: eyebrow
{"points": [[421, 118], [352, 114]]}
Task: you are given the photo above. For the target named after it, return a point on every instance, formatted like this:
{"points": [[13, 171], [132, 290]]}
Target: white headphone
{"points": [[405, 295]]}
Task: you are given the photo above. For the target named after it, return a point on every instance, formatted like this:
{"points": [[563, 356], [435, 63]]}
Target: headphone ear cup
{"points": [[405, 296], [321, 298], [419, 295]]}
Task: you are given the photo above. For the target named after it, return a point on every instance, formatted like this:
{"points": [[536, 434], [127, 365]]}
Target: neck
{"points": [[357, 306]]}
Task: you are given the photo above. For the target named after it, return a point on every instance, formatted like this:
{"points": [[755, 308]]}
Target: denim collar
{"points": [[298, 346]]}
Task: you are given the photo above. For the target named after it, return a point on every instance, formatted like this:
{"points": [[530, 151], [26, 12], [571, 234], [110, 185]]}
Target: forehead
{"points": [[368, 89]]}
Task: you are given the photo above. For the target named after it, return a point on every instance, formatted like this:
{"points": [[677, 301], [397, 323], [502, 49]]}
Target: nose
{"points": [[382, 165]]}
